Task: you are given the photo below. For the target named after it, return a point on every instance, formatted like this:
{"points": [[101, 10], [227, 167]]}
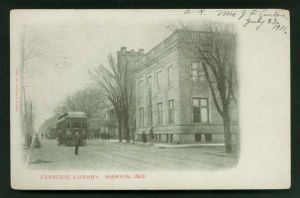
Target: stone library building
{"points": [[172, 96]]}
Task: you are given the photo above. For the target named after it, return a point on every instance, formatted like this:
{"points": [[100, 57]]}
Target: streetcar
{"points": [[68, 125]]}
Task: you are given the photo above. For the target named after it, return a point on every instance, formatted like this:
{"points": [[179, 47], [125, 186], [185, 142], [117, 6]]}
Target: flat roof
{"points": [[73, 114]]}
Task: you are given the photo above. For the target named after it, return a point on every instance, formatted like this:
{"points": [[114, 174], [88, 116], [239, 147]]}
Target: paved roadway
{"points": [[99, 155]]}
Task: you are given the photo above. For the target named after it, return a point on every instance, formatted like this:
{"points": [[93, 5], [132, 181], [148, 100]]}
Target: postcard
{"points": [[150, 99]]}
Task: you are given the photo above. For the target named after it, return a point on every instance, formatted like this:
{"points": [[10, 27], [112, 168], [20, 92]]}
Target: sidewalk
{"points": [[166, 145]]}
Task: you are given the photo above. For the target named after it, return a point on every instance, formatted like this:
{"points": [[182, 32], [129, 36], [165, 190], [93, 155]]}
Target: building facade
{"points": [[173, 97]]}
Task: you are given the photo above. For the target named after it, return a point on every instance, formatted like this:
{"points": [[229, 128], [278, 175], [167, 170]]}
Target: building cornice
{"points": [[154, 58]]}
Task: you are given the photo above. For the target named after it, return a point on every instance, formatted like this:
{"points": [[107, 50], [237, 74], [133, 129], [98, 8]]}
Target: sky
{"points": [[70, 44]]}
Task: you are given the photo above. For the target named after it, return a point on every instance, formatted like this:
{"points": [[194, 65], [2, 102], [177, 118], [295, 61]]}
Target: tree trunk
{"points": [[126, 129], [120, 137], [227, 134]]}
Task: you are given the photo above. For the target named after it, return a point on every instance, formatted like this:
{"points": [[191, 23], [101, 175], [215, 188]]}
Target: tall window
{"points": [[159, 80], [150, 118], [141, 88], [198, 74], [149, 83], [200, 110], [170, 76], [159, 113], [141, 116], [171, 111]]}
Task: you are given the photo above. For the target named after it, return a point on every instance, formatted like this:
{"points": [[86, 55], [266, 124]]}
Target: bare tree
{"points": [[214, 45], [106, 79], [88, 100], [116, 83], [28, 52]]}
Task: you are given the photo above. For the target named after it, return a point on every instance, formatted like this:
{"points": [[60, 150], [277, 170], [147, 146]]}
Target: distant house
{"points": [[173, 97]]}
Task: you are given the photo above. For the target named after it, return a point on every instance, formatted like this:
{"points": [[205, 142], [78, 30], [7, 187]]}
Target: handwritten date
{"points": [[273, 19]]}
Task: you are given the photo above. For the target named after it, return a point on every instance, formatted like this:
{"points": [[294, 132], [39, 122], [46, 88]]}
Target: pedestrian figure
{"points": [[151, 134], [59, 139], [35, 141], [77, 141], [28, 140]]}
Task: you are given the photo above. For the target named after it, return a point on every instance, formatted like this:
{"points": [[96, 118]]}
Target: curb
{"points": [[188, 145]]}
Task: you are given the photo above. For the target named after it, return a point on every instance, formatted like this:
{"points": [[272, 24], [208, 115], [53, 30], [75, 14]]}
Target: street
{"points": [[100, 155]]}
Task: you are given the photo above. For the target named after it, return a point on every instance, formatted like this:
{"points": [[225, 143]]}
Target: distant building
{"points": [[173, 97], [111, 123], [96, 125], [103, 122]]}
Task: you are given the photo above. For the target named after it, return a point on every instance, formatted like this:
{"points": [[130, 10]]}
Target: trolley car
{"points": [[69, 124]]}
